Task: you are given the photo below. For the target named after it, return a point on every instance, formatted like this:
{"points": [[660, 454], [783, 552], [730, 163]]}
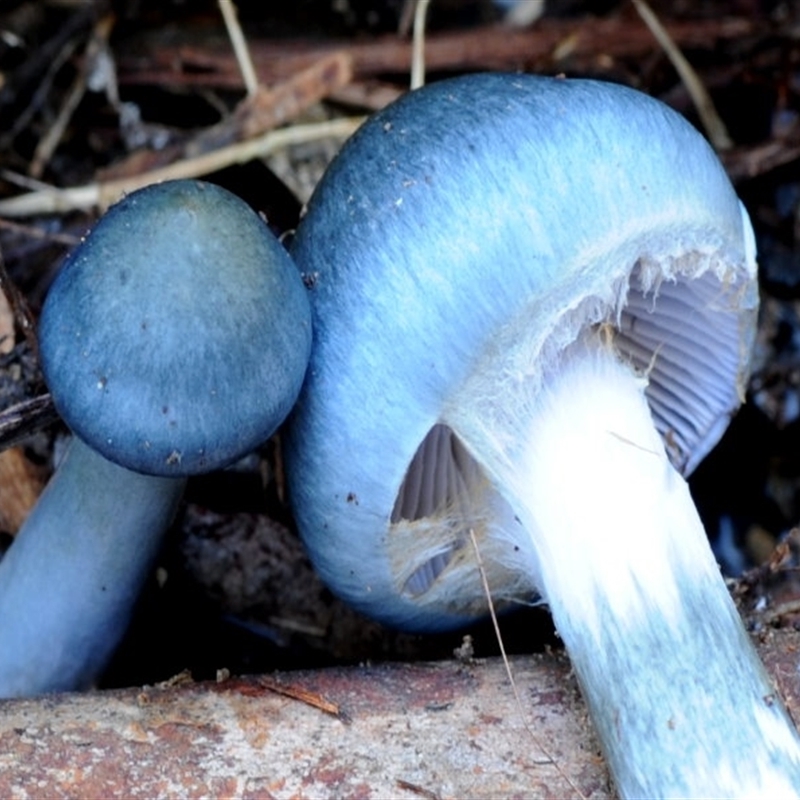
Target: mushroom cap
{"points": [[464, 235], [175, 337]]}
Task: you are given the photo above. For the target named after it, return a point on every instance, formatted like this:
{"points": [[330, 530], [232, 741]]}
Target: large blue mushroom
{"points": [[534, 302], [174, 340]]}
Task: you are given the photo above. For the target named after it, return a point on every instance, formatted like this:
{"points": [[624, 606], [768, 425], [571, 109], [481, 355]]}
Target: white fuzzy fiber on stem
{"points": [[682, 704]]}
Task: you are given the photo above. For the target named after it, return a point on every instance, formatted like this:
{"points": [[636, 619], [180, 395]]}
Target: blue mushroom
{"points": [[174, 340], [534, 302]]}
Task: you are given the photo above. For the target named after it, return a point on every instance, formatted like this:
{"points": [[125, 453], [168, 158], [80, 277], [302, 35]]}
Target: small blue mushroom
{"points": [[534, 303], [174, 340]]}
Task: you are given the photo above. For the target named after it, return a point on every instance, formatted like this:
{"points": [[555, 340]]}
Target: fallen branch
{"points": [[263, 110], [103, 194], [541, 47]]}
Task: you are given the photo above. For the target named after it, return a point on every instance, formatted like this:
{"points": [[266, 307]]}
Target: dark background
{"points": [[233, 588]]}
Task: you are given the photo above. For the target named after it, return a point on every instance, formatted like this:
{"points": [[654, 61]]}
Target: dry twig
{"points": [[239, 44], [712, 122], [266, 109], [50, 141], [22, 419], [296, 692], [101, 195], [488, 47]]}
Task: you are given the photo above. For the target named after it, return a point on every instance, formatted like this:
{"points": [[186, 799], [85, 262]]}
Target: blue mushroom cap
{"points": [[463, 235], [534, 302], [175, 337]]}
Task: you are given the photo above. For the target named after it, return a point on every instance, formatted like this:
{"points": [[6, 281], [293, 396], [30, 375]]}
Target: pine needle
{"points": [[418, 45], [517, 698], [712, 122], [239, 44]]}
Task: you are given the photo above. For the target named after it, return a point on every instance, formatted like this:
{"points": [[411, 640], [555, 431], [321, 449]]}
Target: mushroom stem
{"points": [[682, 705], [69, 583]]}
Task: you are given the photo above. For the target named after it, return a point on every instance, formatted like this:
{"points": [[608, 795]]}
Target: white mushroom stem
{"points": [[682, 705], [69, 583]]}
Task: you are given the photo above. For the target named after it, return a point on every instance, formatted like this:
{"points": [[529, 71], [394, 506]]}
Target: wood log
{"points": [[449, 729]]}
